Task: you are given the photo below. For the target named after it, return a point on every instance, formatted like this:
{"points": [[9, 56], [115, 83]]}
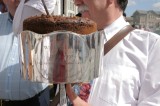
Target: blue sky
{"points": [[134, 5]]}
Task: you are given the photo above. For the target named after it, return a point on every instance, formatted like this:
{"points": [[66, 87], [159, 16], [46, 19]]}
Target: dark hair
{"points": [[122, 4]]}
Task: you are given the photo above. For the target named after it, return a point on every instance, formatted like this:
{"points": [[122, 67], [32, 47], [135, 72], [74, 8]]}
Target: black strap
{"points": [[116, 38]]}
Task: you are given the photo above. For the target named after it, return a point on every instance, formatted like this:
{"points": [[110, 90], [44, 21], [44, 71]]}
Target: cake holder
{"points": [[61, 56]]}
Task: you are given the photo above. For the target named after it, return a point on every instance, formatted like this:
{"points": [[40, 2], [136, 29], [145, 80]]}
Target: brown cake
{"points": [[45, 24]]}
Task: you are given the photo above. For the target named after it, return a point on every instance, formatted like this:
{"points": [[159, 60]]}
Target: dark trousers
{"points": [[41, 99]]}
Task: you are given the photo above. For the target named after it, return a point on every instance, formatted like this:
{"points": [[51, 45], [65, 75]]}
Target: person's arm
{"points": [[76, 101], [150, 90]]}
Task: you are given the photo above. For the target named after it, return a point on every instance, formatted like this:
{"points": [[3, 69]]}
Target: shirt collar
{"points": [[116, 26]]}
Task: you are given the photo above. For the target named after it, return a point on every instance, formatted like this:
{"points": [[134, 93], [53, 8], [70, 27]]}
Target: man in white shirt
{"points": [[14, 90], [130, 71]]}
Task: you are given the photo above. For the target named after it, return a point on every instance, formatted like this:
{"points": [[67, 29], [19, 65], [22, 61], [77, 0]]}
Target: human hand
{"points": [[70, 93]]}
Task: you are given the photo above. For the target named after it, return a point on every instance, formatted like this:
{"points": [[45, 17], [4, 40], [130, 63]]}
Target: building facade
{"points": [[145, 19], [65, 8]]}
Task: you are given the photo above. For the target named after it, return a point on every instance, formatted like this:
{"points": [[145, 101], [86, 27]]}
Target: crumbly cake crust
{"points": [[45, 24]]}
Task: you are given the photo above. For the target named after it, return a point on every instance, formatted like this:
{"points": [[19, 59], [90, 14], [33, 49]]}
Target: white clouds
{"points": [[131, 2], [156, 5]]}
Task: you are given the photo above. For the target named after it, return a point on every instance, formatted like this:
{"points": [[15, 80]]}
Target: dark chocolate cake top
{"points": [[45, 24]]}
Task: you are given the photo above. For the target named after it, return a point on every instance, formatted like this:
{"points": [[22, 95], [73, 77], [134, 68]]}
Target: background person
{"points": [[28, 8], [14, 90], [130, 71]]}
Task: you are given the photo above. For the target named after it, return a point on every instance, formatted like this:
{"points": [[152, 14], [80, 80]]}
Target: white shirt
{"points": [[28, 9], [12, 85], [37, 4], [130, 75]]}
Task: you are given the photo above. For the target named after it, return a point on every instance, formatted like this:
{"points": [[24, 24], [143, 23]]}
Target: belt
{"points": [[29, 100]]}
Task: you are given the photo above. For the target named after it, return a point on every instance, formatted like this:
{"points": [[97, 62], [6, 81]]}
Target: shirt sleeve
{"points": [[150, 85], [17, 18]]}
